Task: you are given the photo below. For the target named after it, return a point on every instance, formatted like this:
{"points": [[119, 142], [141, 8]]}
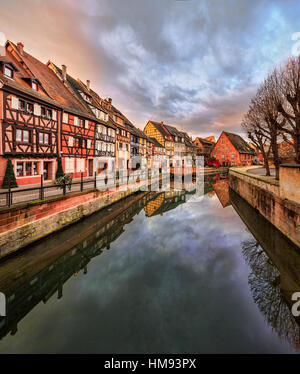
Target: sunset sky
{"points": [[191, 63]]}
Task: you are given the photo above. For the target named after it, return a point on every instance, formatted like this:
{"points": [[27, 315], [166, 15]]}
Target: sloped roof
{"points": [[53, 86], [155, 142], [162, 129], [239, 143], [210, 139], [204, 141], [174, 131], [21, 81]]}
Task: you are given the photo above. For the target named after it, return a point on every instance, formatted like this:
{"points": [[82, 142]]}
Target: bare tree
{"points": [[265, 118], [287, 98], [251, 124]]}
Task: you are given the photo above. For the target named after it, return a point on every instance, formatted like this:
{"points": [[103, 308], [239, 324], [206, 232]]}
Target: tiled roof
{"points": [[53, 86], [155, 142], [210, 139], [161, 128], [239, 143], [174, 131], [205, 141]]}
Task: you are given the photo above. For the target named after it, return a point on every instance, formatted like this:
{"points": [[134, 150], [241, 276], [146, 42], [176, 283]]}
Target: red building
{"points": [[29, 118], [232, 150], [78, 125]]}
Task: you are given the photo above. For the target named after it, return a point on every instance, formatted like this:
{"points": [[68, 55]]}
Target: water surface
{"points": [[159, 274]]}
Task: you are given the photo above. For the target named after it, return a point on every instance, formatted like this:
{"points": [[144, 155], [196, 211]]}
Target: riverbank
{"points": [[270, 198], [27, 223]]}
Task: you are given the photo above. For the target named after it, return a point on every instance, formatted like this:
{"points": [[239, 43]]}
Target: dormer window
{"points": [[88, 98], [34, 86], [8, 72]]}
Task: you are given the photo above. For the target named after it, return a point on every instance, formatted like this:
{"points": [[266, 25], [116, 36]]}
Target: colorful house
{"points": [[102, 156], [158, 131], [30, 117], [232, 150], [204, 148]]}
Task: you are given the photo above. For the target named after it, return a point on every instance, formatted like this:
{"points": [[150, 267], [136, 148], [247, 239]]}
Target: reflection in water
{"points": [[275, 271], [43, 270]]}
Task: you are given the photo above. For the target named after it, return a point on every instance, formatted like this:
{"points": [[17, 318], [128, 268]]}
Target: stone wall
{"points": [[264, 195], [289, 176], [20, 226]]}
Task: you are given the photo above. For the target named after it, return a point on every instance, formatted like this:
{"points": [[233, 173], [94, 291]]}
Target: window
{"points": [[22, 136], [29, 108], [120, 145], [49, 113], [46, 112], [22, 105], [69, 164], [81, 122], [232, 155], [80, 164], [35, 168], [44, 138], [34, 86], [27, 168], [77, 142], [88, 98], [8, 72], [20, 169]]}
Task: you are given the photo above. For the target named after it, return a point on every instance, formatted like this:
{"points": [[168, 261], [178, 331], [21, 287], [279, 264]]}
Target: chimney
{"points": [[64, 72], [88, 84], [20, 47]]}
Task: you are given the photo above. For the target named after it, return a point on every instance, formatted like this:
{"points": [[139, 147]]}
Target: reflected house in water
{"points": [[275, 271], [43, 269], [221, 188], [164, 202]]}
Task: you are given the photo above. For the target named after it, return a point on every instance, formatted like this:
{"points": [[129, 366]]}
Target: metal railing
{"points": [[19, 195], [29, 194]]}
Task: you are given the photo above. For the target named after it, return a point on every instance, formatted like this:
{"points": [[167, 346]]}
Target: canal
{"points": [[157, 273]]}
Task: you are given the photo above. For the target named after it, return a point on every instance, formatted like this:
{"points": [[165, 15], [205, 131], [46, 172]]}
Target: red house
{"points": [[232, 150], [29, 118]]}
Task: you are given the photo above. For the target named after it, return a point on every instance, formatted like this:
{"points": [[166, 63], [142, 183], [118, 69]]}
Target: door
{"points": [[90, 168]]}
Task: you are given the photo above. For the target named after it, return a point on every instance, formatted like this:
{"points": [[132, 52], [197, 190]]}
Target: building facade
{"points": [[232, 150], [29, 119]]}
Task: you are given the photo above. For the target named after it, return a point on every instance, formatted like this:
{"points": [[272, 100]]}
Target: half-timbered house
{"points": [[78, 126], [123, 135], [29, 118], [104, 129], [158, 131]]}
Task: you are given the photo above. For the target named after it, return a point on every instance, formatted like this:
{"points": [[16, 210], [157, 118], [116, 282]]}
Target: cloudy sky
{"points": [[190, 63]]}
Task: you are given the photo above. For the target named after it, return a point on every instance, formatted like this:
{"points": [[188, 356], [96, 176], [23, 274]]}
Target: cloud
{"points": [[192, 64]]}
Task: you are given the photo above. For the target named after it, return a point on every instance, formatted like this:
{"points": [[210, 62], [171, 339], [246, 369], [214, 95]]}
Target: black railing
{"points": [[13, 196]]}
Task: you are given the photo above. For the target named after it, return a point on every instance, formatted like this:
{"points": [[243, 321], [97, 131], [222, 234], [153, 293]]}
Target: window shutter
{"points": [[86, 123], [76, 122], [71, 141], [54, 115], [89, 143], [36, 110], [15, 102], [65, 118]]}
